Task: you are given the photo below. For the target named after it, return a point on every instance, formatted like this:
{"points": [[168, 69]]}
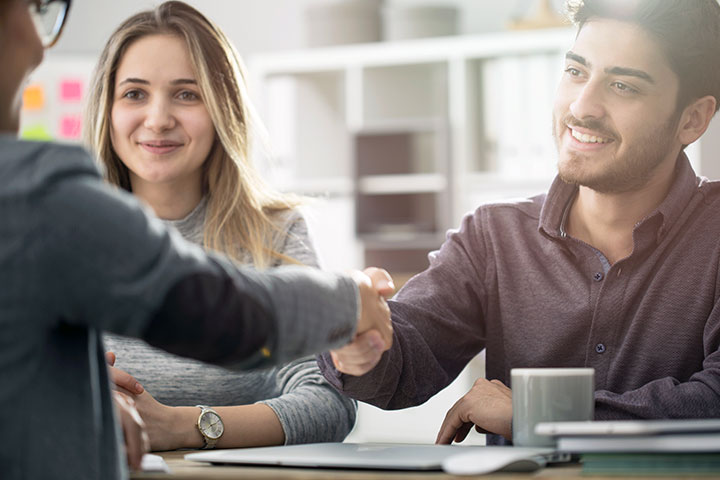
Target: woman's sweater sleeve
{"points": [[309, 408]]}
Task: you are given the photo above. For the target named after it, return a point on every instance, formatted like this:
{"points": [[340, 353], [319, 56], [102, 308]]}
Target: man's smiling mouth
{"points": [[585, 138]]}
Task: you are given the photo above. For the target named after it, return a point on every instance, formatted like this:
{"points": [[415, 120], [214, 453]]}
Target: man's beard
{"points": [[630, 172]]}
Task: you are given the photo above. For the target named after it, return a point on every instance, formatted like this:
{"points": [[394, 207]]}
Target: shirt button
{"points": [[598, 276], [600, 348]]}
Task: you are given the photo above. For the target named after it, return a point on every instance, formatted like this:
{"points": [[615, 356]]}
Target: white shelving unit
{"points": [[399, 140], [403, 138]]}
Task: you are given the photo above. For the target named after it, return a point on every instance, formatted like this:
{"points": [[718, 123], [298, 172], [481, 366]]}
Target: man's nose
{"points": [[589, 102]]}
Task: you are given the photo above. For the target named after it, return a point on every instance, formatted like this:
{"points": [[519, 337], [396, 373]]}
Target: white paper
{"points": [[154, 463]]}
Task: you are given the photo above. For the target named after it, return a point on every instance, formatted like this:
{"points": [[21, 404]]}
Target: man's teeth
{"points": [[585, 138]]}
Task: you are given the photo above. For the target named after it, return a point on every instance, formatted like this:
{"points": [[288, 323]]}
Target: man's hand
{"points": [[487, 407], [374, 332], [137, 442]]}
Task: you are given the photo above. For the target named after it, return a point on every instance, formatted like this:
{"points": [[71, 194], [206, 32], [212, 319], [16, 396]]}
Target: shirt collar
{"points": [[684, 186], [561, 195], [557, 203]]}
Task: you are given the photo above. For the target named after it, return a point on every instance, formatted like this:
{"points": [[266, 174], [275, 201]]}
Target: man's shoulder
{"points": [[510, 209], [29, 166], [710, 189]]}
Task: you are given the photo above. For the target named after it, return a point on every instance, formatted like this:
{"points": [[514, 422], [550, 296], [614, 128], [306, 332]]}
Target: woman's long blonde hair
{"points": [[240, 205]]}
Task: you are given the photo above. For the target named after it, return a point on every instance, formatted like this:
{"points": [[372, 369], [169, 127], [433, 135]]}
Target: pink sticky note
{"points": [[71, 90], [70, 126]]}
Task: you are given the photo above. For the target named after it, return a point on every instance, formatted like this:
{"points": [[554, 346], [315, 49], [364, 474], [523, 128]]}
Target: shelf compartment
{"points": [[397, 214], [509, 101], [303, 150], [414, 149], [405, 91]]}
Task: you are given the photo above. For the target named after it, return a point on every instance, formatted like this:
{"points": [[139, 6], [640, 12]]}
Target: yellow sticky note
{"points": [[36, 132], [34, 97]]}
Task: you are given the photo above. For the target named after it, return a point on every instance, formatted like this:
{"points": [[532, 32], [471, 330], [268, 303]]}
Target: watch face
{"points": [[211, 425]]}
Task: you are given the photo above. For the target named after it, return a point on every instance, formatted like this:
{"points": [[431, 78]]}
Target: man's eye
{"points": [[625, 88], [572, 71]]}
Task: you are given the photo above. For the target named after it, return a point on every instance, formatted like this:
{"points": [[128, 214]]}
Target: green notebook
{"points": [[650, 463]]}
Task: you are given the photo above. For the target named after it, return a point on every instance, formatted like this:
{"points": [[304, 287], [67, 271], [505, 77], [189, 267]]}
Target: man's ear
{"points": [[695, 119]]}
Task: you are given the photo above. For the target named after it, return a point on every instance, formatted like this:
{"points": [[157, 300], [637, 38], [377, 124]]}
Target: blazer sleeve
{"points": [[112, 265]]}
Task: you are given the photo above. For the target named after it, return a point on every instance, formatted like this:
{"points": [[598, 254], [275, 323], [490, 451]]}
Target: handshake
{"points": [[374, 334]]}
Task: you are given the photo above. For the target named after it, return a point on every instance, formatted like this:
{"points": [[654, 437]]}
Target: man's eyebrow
{"points": [[631, 72], [624, 71], [577, 58]]}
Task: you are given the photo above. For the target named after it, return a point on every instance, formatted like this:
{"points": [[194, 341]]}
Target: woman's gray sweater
{"points": [[309, 408]]}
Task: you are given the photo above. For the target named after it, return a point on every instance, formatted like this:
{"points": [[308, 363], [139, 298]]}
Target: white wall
{"points": [[260, 25]]}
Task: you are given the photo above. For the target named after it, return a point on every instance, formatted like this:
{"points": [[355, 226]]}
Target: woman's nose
{"points": [[159, 116]]}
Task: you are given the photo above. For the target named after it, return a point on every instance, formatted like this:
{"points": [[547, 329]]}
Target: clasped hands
{"points": [[374, 333]]}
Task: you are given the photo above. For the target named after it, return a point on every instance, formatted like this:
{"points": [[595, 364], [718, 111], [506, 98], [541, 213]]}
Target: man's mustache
{"points": [[591, 124]]}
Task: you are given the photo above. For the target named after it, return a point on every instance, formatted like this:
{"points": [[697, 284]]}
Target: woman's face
{"points": [[20, 52], [160, 127]]}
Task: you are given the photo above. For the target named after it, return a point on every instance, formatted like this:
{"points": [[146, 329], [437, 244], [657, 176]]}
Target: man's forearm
{"points": [[250, 319], [662, 398]]}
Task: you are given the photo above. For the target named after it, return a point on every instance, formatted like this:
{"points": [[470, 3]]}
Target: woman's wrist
{"points": [[186, 433]]}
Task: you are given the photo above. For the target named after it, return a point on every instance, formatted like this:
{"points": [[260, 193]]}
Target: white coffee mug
{"points": [[549, 395]]}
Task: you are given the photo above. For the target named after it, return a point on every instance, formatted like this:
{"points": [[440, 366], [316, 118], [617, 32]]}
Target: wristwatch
{"points": [[210, 425]]}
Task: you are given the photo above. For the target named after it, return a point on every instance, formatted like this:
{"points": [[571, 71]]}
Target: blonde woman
{"points": [[170, 121]]}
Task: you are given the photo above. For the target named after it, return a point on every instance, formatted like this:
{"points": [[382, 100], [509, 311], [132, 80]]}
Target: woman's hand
{"points": [[164, 432], [136, 438], [123, 381]]}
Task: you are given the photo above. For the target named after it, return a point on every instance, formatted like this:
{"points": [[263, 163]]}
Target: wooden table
{"points": [[183, 469]]}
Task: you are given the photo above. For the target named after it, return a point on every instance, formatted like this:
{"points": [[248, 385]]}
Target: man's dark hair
{"points": [[687, 31]]}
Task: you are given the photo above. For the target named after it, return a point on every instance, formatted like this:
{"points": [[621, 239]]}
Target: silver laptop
{"points": [[374, 456]]}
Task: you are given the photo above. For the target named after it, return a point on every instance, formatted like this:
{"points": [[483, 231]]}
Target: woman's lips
{"points": [[160, 147]]}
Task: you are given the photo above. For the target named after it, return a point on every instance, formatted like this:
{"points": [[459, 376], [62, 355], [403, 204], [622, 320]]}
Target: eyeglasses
{"points": [[49, 18]]}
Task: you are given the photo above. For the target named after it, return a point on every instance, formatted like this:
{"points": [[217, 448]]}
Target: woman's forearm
{"points": [[245, 426]]}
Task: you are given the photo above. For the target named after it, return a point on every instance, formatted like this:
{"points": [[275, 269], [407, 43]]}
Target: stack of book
{"points": [[650, 463], [652, 447]]}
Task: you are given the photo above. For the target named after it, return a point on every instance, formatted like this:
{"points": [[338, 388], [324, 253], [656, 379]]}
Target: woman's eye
{"points": [[188, 96], [133, 95]]}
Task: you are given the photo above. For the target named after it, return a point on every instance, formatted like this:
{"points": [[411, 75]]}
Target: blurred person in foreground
{"points": [[78, 257]]}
